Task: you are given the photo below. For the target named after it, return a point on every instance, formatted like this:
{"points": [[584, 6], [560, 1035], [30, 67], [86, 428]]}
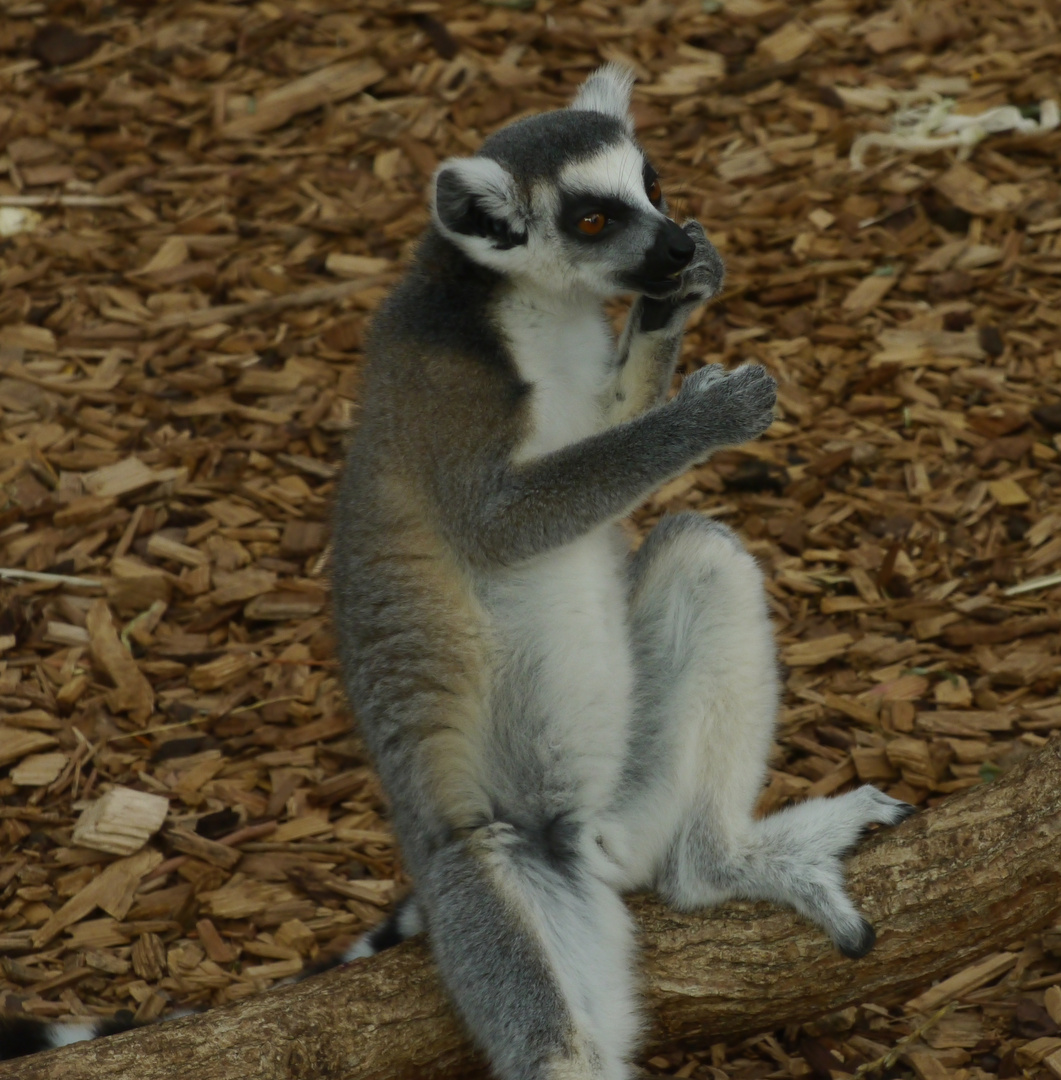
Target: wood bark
{"points": [[973, 875]]}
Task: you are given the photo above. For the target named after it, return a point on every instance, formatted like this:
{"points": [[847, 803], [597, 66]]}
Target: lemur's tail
{"points": [[403, 922], [23, 1035]]}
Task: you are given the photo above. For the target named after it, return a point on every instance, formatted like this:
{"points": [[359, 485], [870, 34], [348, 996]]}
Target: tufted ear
{"points": [[607, 91], [477, 197]]}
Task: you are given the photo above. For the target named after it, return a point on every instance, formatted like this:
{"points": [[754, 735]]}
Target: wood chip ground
{"points": [[202, 203]]}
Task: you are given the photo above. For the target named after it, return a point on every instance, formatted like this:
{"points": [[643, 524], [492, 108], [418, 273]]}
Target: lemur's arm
{"points": [[651, 340], [520, 510], [647, 357]]}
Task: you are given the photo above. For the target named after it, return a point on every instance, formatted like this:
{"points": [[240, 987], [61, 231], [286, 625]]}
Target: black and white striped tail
{"points": [[403, 922], [22, 1035]]}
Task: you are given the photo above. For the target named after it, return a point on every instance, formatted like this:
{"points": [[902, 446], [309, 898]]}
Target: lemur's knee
{"points": [[693, 573], [691, 547], [687, 527]]}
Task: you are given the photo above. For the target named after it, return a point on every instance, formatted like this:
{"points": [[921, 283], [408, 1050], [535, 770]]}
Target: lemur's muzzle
{"points": [[671, 252]]}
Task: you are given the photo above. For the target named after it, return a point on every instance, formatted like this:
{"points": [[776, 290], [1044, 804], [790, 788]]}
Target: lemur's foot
{"points": [[823, 831], [876, 808]]}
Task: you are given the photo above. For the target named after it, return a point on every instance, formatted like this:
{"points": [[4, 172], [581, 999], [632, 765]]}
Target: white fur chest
{"points": [[564, 352]]}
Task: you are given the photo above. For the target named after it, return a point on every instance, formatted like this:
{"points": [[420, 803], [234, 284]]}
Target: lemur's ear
{"points": [[477, 197], [607, 91]]}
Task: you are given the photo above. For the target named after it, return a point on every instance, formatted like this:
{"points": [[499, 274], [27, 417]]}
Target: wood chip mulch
{"points": [[201, 204]]}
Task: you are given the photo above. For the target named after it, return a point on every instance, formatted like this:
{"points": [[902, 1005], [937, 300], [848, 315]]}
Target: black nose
{"points": [[670, 253], [680, 247]]}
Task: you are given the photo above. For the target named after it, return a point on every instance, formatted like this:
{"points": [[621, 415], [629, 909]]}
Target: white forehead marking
{"points": [[616, 170]]}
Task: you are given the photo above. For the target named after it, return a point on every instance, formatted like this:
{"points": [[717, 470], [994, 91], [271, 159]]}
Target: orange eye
{"points": [[655, 192], [592, 224]]}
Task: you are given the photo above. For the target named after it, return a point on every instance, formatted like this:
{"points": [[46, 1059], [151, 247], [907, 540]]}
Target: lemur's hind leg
{"points": [[536, 954], [705, 716]]}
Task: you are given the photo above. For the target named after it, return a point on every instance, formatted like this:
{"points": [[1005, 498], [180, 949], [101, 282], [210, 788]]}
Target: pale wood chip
{"points": [[38, 770], [334, 83], [164, 547], [241, 898], [132, 693], [121, 478], [788, 42], [16, 743], [121, 821], [817, 650], [112, 891], [970, 978]]}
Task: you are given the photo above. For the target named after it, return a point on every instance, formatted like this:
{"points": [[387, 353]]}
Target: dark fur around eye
{"points": [[574, 206]]}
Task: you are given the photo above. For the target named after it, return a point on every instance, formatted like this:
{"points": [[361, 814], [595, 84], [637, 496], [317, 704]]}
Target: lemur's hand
{"points": [[733, 407], [700, 280], [703, 277]]}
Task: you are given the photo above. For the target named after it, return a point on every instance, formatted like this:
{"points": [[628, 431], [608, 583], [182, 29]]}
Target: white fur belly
{"points": [[564, 614]]}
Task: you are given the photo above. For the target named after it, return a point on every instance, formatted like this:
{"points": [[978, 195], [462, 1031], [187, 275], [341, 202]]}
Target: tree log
{"points": [[973, 875]]}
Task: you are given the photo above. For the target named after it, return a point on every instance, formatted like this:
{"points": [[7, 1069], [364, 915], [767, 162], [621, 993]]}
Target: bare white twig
{"points": [[64, 200], [1032, 584], [14, 574]]}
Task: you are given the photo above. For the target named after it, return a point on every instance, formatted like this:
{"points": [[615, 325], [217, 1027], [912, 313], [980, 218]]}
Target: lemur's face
{"points": [[606, 223], [567, 201]]}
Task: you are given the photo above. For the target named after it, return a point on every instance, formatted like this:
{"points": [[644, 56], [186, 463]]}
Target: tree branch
{"points": [[947, 886]]}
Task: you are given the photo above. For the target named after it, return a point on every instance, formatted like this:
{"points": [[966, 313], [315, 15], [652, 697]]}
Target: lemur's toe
{"points": [[894, 813], [881, 809], [859, 943]]}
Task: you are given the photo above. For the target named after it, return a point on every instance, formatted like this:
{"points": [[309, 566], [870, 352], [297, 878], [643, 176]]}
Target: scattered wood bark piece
{"points": [[16, 743], [112, 890], [334, 83], [133, 692]]}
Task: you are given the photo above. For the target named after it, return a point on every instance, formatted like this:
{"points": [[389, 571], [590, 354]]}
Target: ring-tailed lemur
{"points": [[558, 721]]}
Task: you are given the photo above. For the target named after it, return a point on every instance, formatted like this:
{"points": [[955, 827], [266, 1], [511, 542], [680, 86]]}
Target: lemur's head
{"points": [[567, 200]]}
